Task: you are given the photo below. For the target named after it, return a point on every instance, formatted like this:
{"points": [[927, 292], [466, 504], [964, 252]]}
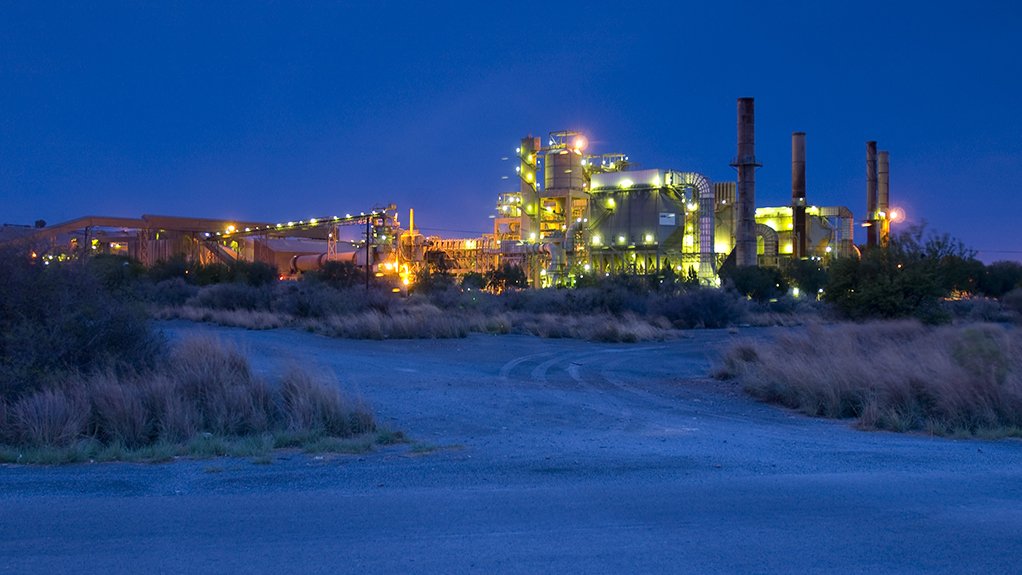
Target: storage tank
{"points": [[563, 170]]}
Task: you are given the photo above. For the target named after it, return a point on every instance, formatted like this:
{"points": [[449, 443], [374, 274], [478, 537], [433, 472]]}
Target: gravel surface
{"points": [[534, 456]]}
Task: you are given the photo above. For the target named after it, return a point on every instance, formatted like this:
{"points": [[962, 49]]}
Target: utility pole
{"points": [[368, 231]]}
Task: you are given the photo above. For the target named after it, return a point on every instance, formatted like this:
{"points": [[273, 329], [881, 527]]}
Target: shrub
{"points": [[700, 308], [313, 299], [173, 291], [60, 319], [233, 296]]}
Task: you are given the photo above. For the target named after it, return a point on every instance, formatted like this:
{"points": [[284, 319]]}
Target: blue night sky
{"points": [[283, 110]]}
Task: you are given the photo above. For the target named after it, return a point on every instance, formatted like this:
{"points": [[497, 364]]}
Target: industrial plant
{"points": [[575, 213]]}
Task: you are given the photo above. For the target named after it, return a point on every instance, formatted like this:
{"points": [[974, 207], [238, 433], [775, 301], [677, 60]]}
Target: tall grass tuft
{"points": [[215, 377], [50, 417], [900, 376], [310, 405]]}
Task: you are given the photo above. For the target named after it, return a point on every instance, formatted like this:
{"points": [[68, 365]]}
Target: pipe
{"points": [[800, 228], [871, 193], [745, 162]]}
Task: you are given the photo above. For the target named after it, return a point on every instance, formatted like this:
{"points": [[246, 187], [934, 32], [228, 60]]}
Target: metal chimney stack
{"points": [[745, 162], [871, 195], [883, 196], [798, 195]]}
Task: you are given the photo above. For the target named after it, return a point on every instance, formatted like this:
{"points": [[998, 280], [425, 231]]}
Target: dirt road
{"points": [[535, 456]]}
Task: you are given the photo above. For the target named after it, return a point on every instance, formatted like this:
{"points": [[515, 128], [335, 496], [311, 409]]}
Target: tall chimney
{"points": [[745, 162], [883, 195], [871, 194], [798, 196]]}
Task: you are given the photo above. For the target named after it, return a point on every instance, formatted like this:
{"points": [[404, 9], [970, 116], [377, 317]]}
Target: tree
{"points": [[758, 283], [908, 277], [808, 275], [504, 277], [1000, 278]]}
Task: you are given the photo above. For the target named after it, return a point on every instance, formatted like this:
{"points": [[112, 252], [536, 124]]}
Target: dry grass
{"points": [[204, 397], [248, 319], [426, 321], [901, 376]]}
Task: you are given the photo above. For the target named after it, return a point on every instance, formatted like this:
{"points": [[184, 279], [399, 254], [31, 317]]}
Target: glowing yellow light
{"points": [[405, 281], [626, 183], [532, 236], [620, 239], [313, 221], [897, 215], [795, 291], [829, 249], [611, 203], [596, 240], [586, 267], [580, 143], [230, 229], [649, 238], [692, 206]]}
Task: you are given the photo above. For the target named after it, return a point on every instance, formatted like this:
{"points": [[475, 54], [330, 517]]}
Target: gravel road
{"points": [[534, 456]]}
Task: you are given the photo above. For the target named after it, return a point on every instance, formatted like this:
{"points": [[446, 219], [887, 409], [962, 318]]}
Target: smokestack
{"points": [[745, 162], [799, 226], [883, 195], [871, 194]]}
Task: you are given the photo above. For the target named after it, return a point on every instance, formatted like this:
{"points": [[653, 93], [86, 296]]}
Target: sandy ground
{"points": [[541, 456]]}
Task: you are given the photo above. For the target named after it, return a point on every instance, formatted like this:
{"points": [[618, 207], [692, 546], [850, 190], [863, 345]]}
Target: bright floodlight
{"points": [[897, 215], [581, 143]]}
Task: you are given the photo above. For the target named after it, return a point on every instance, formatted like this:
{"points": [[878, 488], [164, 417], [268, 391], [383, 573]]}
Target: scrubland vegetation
{"points": [[963, 380], [83, 376]]}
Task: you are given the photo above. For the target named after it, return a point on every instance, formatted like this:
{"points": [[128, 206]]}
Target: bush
{"points": [[174, 291], [233, 296], [700, 308], [60, 319]]}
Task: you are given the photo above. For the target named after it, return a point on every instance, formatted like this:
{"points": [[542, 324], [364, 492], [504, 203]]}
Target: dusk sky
{"points": [[288, 110]]}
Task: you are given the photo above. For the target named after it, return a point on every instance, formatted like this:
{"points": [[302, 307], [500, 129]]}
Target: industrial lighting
{"points": [[620, 239], [649, 238], [829, 249], [580, 143], [596, 240], [626, 183], [692, 206]]}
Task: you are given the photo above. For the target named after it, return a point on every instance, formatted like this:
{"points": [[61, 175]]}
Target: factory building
{"points": [[575, 213]]}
